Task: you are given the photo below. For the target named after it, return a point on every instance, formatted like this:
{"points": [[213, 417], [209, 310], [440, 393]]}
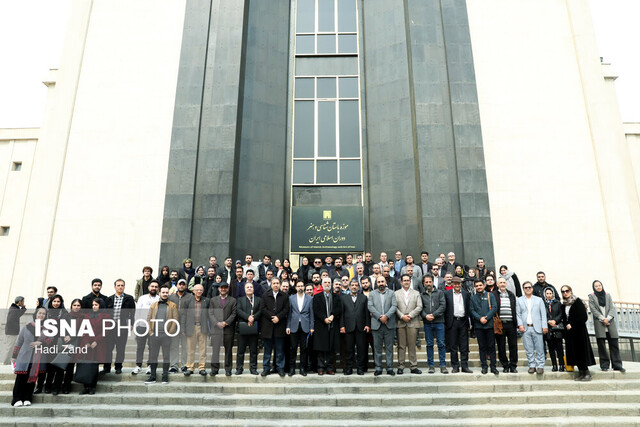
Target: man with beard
{"points": [[408, 321], [266, 266], [326, 312], [350, 266], [355, 324], [209, 286], [541, 284], [317, 285], [315, 268], [425, 265], [275, 309], [383, 306], [433, 308], [417, 271], [87, 300], [162, 321], [448, 282], [300, 323], [392, 283], [122, 308], [338, 270], [365, 286], [142, 309], [142, 285], [481, 269], [249, 310], [227, 271], [179, 342]]}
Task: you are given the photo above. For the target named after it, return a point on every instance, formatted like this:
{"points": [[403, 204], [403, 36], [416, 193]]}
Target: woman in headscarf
{"points": [[604, 323], [75, 313], [303, 271], [187, 271], [163, 277], [28, 363], [198, 278], [574, 317], [513, 283], [54, 375], [95, 348], [556, 330]]}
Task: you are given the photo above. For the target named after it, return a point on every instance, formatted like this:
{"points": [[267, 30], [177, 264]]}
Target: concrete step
{"points": [[321, 411], [576, 421]]}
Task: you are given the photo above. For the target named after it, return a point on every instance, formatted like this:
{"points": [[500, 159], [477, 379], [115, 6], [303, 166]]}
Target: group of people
{"points": [[324, 316]]}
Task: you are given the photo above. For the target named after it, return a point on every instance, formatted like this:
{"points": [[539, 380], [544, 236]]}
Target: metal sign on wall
{"points": [[327, 229]]}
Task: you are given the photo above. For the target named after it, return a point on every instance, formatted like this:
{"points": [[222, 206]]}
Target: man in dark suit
{"points": [[300, 324], [222, 317], [96, 287], [265, 266], [249, 309], [123, 310], [457, 321], [355, 324], [327, 311], [273, 324], [196, 328]]}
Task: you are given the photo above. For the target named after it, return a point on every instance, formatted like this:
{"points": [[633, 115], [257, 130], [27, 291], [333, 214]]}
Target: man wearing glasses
{"points": [[532, 321]]}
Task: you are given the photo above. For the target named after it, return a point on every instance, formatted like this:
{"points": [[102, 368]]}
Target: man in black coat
{"points": [[327, 311], [12, 328], [355, 323], [96, 287], [249, 310], [122, 308], [541, 285], [457, 321], [273, 324]]}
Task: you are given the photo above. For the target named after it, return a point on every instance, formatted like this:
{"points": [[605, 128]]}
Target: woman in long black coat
{"points": [[556, 330], [574, 317]]}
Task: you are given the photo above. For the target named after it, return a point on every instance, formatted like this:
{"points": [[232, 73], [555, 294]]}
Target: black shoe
{"points": [[239, 371], [253, 371], [227, 373], [55, 392], [348, 371], [47, 390], [292, 372], [604, 369], [485, 370], [281, 373], [214, 372], [188, 373], [265, 373], [360, 372], [455, 370], [506, 369], [419, 345], [416, 371], [85, 391], [303, 372], [390, 372], [494, 371], [92, 390], [514, 370], [554, 368], [118, 371], [467, 371], [151, 380], [203, 372], [165, 379], [66, 391], [562, 369], [378, 372], [400, 371], [184, 368], [104, 372], [621, 370]]}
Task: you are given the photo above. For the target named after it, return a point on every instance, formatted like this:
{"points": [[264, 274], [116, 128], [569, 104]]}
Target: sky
{"points": [[32, 35]]}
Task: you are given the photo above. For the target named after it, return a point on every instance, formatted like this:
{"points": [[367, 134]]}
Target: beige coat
{"points": [[172, 313], [413, 309]]}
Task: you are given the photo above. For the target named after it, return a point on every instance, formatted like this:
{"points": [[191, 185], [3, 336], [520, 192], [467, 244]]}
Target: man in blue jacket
{"points": [[299, 326], [483, 308]]}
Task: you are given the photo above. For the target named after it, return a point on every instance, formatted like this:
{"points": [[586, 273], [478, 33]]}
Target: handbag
{"points": [[245, 329], [497, 322], [86, 373]]}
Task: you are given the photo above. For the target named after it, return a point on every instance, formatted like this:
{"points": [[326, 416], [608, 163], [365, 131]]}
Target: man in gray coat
{"points": [[383, 306]]}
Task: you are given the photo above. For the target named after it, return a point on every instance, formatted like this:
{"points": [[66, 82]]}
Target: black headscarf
{"points": [[602, 295]]}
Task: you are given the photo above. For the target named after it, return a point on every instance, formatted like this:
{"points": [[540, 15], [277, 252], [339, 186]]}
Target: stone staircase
{"points": [[611, 398]]}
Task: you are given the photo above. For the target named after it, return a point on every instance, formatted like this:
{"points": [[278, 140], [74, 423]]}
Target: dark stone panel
{"points": [[327, 196], [389, 174], [476, 230], [434, 129], [259, 202], [176, 228]]}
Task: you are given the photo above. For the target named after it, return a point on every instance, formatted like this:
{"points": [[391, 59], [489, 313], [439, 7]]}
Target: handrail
{"points": [[627, 319]]}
